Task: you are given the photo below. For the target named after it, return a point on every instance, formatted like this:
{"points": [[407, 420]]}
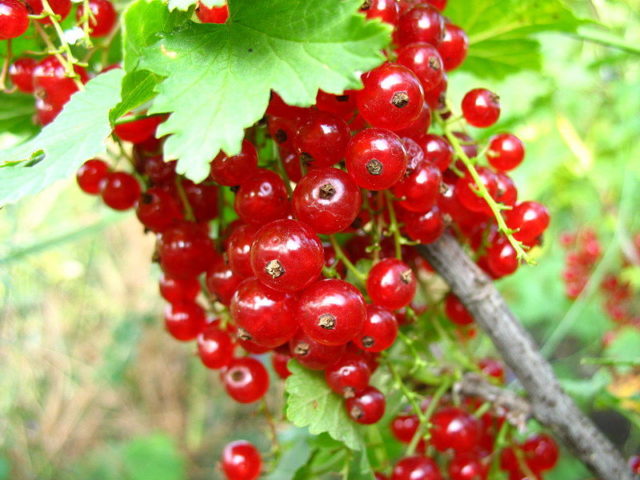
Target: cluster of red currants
{"points": [[50, 80]]}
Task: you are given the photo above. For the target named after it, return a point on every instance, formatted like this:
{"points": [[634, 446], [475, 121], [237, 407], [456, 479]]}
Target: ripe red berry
{"points": [[423, 227], [455, 429], [327, 199], [159, 172], [391, 284], [14, 19], [233, 170], [241, 461], [422, 23], [502, 257], [287, 255], [262, 198], [481, 107], [366, 407], [541, 452], [492, 368], [120, 190], [104, 17], [424, 60], [348, 376], [331, 312], [203, 200], [416, 468], [221, 281], [21, 73], [467, 190], [439, 4], [506, 152], [456, 311], [311, 354], [184, 321], [51, 85], [467, 467], [376, 159], [386, 11], [416, 130], [158, 210], [437, 151], [137, 131], [246, 380], [279, 361], [419, 190], [186, 251], [379, 331], [404, 427], [343, 105], [212, 15], [322, 139], [506, 191], [392, 97], [175, 290], [453, 46], [91, 175], [531, 219], [215, 347], [239, 249], [262, 314], [634, 464]]}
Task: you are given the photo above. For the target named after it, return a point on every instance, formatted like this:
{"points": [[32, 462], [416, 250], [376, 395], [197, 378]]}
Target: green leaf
{"points": [[16, 114], [155, 457], [292, 460], [219, 77], [311, 403], [186, 4], [77, 134], [138, 88]]}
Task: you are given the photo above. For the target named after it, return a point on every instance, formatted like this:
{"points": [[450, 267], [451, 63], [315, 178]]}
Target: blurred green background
{"points": [[92, 387]]}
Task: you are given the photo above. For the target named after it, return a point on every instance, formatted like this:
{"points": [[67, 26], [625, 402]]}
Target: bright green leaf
{"points": [[293, 459], [311, 403], [16, 114], [77, 134], [219, 77], [138, 88]]}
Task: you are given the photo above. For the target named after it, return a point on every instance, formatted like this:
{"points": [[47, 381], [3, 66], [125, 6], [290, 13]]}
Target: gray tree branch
{"points": [[549, 402]]}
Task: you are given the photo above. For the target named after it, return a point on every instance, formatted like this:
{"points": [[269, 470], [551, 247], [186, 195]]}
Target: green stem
{"points": [[395, 230], [341, 256], [188, 211], [425, 425], [607, 39]]}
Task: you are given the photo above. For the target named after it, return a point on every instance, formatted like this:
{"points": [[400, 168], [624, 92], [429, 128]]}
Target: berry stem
{"points": [[393, 227], [425, 425], [281, 170], [188, 211], [409, 394], [341, 256], [67, 63], [5, 68]]}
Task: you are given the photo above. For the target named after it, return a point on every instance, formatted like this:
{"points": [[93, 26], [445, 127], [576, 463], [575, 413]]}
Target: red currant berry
{"points": [[467, 190], [455, 429], [437, 151], [467, 467], [159, 171], [419, 190], [158, 210], [506, 191], [322, 139], [423, 227], [366, 407], [250, 346], [175, 290], [213, 14], [104, 17], [379, 331], [531, 219], [380, 476], [376, 159], [91, 175], [51, 85], [541, 452], [222, 282], [331, 312], [422, 23], [506, 152], [239, 250], [215, 347], [203, 200], [21, 73], [453, 46], [246, 380], [14, 19], [241, 461], [417, 129], [456, 311], [327, 199], [634, 464], [184, 321], [502, 258], [280, 362], [492, 368], [262, 314], [137, 131], [439, 4], [424, 60], [416, 468], [343, 106], [262, 198], [386, 11], [391, 284], [233, 170], [311, 354], [120, 190], [481, 107], [59, 7], [348, 376], [392, 97], [186, 251], [404, 427], [292, 165]]}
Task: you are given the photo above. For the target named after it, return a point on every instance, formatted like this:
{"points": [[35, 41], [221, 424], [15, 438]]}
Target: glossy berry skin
{"points": [[21, 74], [331, 312], [311, 354], [327, 199], [467, 189], [502, 257], [139, 130], [159, 171], [386, 11], [158, 210], [467, 467], [424, 227], [51, 85], [506, 191], [59, 7], [233, 170], [455, 311], [184, 321], [14, 19], [391, 284], [104, 17], [392, 97], [417, 129], [264, 315], [366, 407], [203, 200], [213, 14], [91, 175], [343, 105], [531, 219], [322, 139], [439, 4], [379, 331], [245, 380], [222, 282], [404, 427], [186, 251], [241, 461], [424, 60], [239, 250], [506, 152], [262, 198], [492, 368], [419, 190], [280, 361], [348, 376], [215, 347], [453, 47], [175, 290], [422, 23], [416, 468], [481, 107], [376, 159], [437, 151], [541, 452], [287, 255], [455, 429], [120, 190]]}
